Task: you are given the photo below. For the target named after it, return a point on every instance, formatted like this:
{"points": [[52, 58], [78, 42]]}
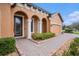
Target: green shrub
{"points": [[73, 49], [76, 40], [42, 36], [67, 30], [7, 45]]}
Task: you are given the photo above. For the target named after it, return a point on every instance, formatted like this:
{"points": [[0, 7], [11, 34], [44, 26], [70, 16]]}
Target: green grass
{"points": [[76, 32]]}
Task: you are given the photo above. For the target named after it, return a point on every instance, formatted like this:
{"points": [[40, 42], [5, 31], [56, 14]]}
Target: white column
{"points": [[40, 25], [29, 29]]}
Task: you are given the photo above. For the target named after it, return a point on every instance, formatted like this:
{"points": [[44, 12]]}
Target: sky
{"points": [[68, 11]]}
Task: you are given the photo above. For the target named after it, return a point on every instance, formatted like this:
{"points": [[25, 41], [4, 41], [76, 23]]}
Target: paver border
{"points": [[52, 52], [40, 42]]}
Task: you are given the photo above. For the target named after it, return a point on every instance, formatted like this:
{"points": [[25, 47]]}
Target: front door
{"points": [[18, 26]]}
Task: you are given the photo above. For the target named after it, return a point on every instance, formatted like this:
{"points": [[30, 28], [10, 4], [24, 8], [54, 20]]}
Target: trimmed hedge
{"points": [[7, 45], [42, 36], [67, 30]]}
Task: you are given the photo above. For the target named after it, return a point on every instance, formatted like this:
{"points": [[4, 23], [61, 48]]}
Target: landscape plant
{"points": [[42, 36], [7, 45], [73, 49]]}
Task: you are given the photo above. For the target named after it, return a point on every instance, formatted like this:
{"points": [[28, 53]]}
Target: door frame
{"points": [[22, 26], [33, 25]]}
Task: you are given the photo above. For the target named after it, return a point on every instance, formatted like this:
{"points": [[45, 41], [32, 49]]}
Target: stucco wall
{"points": [[56, 24], [0, 23], [6, 20]]}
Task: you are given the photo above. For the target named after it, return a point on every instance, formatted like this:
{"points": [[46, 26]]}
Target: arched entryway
{"points": [[35, 24], [44, 25], [20, 24]]}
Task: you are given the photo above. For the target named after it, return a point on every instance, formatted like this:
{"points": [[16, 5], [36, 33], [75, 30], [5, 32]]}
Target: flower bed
{"points": [[42, 36]]}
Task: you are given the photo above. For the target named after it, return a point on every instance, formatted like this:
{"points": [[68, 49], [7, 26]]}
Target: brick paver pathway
{"points": [[28, 48]]}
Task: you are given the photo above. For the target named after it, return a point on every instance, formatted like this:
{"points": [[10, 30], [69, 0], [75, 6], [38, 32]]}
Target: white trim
{"points": [[22, 25], [33, 25], [26, 6], [29, 29], [32, 9], [40, 24]]}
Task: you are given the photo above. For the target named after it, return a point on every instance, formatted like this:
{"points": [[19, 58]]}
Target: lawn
{"points": [[76, 32]]}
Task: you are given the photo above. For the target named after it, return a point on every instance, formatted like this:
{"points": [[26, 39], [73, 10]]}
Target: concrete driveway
{"points": [[29, 48]]}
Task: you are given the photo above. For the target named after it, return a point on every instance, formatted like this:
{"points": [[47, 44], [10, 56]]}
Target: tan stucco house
{"points": [[23, 19]]}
